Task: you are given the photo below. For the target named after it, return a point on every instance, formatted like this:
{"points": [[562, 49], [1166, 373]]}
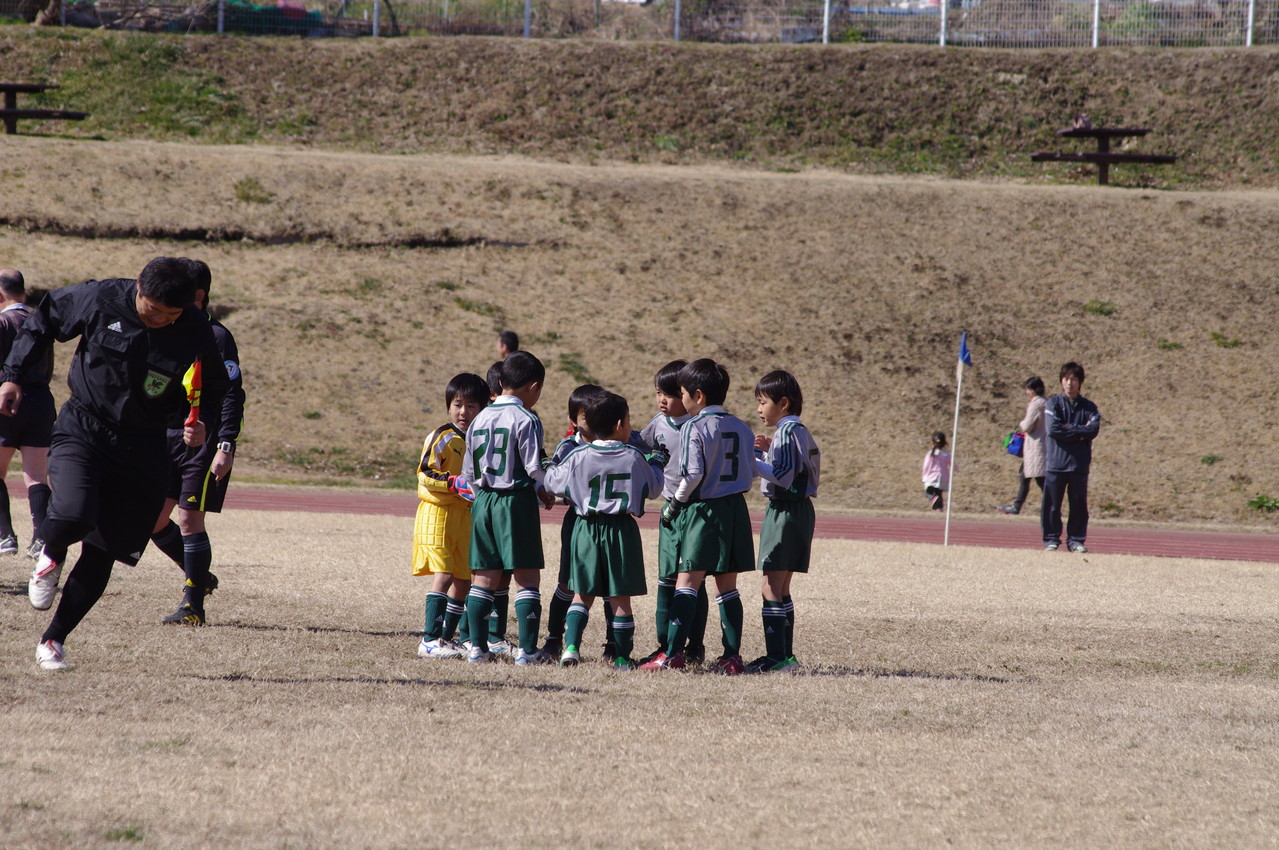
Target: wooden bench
{"points": [[11, 114], [1103, 157]]}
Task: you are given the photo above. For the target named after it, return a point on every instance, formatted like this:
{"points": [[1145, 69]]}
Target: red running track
{"points": [[1021, 533]]}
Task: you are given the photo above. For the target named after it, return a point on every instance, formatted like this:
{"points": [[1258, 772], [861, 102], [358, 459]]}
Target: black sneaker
{"points": [[210, 584], [186, 615], [695, 654], [554, 646], [610, 651], [34, 550], [761, 665], [1008, 509]]}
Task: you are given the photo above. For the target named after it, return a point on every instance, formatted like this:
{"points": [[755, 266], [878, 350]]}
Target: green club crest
{"points": [[155, 384]]}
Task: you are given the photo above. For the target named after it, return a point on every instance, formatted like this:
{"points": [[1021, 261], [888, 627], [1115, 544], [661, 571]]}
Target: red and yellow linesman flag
{"points": [[194, 381]]}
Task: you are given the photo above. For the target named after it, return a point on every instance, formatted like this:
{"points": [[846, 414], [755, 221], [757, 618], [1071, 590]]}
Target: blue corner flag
{"points": [[965, 356]]}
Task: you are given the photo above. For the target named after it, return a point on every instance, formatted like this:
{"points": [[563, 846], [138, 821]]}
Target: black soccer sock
{"points": [[683, 605], [775, 630], [169, 541], [60, 534], [665, 592], [83, 589], [697, 629], [197, 556], [38, 496], [501, 609], [6, 519], [609, 636], [557, 612], [790, 625]]}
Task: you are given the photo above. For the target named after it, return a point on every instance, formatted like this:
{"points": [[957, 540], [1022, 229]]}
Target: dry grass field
{"points": [[358, 284], [957, 698]]}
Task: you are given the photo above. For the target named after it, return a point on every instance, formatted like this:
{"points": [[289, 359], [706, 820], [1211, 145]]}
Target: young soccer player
{"points": [[708, 514], [579, 435], [442, 530], [789, 464], [663, 432], [606, 481], [503, 463]]}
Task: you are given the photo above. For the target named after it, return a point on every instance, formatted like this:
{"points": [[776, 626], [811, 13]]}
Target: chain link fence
{"points": [[977, 23]]}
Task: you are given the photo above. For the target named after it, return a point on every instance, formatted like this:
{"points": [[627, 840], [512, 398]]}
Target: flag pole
{"points": [[964, 357]]}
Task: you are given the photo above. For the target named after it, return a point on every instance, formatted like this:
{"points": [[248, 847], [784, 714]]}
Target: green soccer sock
{"points": [[501, 609], [683, 605], [528, 613], [435, 605], [790, 625], [479, 605], [558, 610], [453, 611], [665, 592], [575, 625], [624, 634], [697, 631], [775, 630], [730, 619]]}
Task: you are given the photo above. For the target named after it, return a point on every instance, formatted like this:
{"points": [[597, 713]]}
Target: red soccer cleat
{"points": [[662, 661], [730, 665]]}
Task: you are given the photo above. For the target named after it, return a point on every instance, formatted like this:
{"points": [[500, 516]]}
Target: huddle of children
{"points": [[483, 475]]}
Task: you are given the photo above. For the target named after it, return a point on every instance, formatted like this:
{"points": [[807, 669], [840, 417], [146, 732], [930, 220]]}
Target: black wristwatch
{"points": [[226, 446]]}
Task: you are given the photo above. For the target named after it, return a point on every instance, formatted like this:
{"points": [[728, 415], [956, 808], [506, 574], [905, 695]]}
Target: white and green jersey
{"points": [[663, 433], [716, 456], [605, 477], [792, 465], [503, 447]]}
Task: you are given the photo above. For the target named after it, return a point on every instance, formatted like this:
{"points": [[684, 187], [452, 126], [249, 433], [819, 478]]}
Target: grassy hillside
{"points": [[865, 109], [357, 284]]}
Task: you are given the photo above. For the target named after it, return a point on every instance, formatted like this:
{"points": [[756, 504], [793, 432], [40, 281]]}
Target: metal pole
{"points": [[221, 17], [826, 22], [954, 440], [1252, 18], [528, 18], [677, 17], [942, 38], [1096, 23], [377, 17]]}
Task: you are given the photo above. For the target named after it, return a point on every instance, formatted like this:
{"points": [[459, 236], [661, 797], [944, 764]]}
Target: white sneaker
{"points": [[9, 545], [438, 648], [475, 655], [49, 656], [501, 646], [44, 582], [528, 659], [571, 657]]}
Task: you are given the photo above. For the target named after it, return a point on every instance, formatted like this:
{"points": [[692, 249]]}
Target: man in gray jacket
{"points": [[1073, 422]]}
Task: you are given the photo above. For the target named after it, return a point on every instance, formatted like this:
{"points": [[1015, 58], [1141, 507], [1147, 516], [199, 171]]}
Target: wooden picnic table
{"points": [[11, 113], [1103, 157]]}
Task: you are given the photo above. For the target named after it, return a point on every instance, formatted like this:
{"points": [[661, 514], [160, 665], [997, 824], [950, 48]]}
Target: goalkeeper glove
{"points": [[669, 511], [462, 487], [658, 457]]}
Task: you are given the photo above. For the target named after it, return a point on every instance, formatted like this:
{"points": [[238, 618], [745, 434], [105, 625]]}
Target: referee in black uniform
{"points": [[108, 464]]}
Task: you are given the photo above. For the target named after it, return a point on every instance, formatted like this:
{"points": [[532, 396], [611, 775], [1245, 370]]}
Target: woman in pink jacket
{"points": [[1032, 452]]}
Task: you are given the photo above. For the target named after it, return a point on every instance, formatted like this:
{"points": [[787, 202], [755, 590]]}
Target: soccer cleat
{"points": [[695, 655], [764, 664], [9, 545], [500, 646], [1077, 547], [475, 655], [210, 584], [730, 665], [186, 615], [650, 656], [34, 550], [49, 655], [554, 646], [1007, 509], [571, 657], [662, 661], [624, 663], [610, 650], [44, 582], [530, 659], [1051, 546], [438, 648]]}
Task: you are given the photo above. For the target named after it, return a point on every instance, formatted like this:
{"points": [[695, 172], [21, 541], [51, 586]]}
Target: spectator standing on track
{"points": [[109, 457], [1032, 448], [1072, 424], [31, 429]]}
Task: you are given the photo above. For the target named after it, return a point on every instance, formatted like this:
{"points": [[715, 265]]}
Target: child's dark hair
{"points": [[778, 385], [667, 378], [493, 377], [1072, 368], [579, 397], [604, 411], [469, 386], [520, 369], [1035, 384], [707, 376], [510, 339], [939, 440]]}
